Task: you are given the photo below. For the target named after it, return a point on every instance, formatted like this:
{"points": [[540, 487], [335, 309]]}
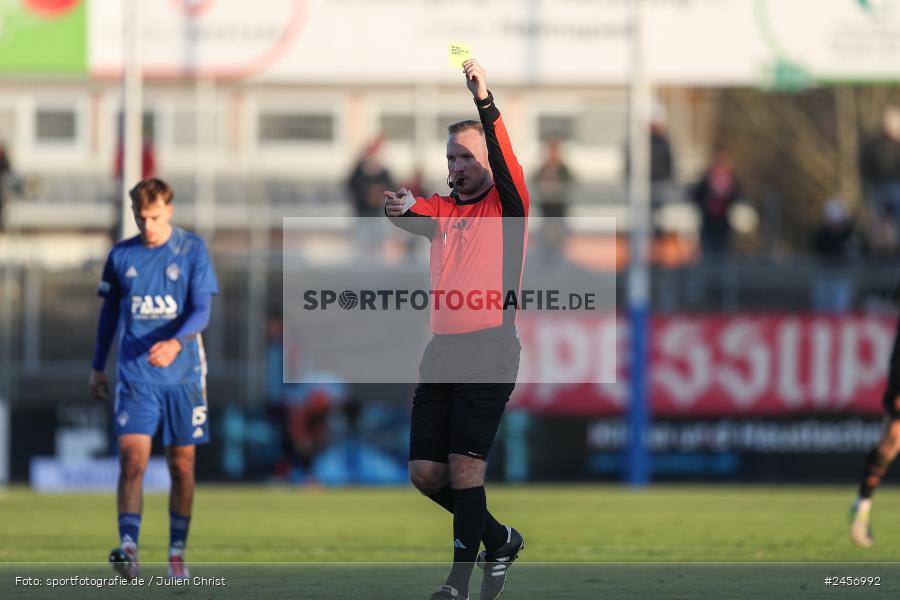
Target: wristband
{"points": [[485, 102]]}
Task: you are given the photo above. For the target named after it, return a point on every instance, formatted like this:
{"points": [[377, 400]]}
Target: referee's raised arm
{"points": [[508, 175]]}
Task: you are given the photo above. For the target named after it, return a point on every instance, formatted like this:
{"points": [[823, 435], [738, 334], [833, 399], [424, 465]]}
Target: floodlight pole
{"points": [[7, 295], [637, 472], [132, 133], [205, 122]]}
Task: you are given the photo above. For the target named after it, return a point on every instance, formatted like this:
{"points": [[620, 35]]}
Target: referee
{"points": [[468, 370]]}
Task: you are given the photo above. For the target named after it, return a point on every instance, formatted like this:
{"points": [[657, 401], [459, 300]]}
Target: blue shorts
{"points": [[178, 410]]}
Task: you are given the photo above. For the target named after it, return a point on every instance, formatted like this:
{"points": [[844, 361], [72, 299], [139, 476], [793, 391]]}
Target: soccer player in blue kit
{"points": [[159, 284]]}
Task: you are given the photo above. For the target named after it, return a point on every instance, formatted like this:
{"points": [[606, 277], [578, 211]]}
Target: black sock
{"points": [[876, 466], [469, 508], [494, 534], [444, 498]]}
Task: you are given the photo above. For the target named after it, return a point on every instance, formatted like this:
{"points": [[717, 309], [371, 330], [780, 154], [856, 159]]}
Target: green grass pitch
{"points": [[663, 540]]}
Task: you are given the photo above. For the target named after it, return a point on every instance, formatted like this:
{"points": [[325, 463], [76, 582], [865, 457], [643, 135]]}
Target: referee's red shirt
{"points": [[477, 245]]}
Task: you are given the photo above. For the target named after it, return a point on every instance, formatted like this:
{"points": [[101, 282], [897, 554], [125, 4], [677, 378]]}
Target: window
{"points": [[55, 125], [555, 127], [444, 120], [148, 125], [398, 128], [185, 127], [593, 127], [603, 126], [281, 127]]}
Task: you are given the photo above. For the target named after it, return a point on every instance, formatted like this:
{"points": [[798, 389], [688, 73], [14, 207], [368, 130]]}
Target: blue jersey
{"points": [[153, 287]]}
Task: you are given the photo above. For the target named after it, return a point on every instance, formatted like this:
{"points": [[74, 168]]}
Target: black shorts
{"points": [[464, 384], [891, 399]]}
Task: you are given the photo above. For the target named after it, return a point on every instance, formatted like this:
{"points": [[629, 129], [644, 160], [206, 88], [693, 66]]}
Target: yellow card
{"points": [[458, 53]]}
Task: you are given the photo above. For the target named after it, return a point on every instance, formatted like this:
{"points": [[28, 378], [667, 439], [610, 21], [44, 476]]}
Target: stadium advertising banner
{"points": [[712, 366], [695, 42], [223, 39], [45, 37], [807, 448]]}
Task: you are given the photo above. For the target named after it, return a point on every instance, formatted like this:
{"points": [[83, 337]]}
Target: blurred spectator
{"points": [[307, 428], [553, 183], [368, 180], [322, 423], [880, 166], [832, 244], [662, 187], [833, 239], [660, 160], [5, 175], [300, 411], [714, 194], [366, 185]]}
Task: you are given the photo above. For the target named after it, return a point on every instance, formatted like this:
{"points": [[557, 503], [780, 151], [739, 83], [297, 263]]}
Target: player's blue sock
{"points": [[129, 527], [178, 532]]}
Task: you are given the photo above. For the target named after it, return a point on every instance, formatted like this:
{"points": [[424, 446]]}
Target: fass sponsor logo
{"points": [[153, 307]]}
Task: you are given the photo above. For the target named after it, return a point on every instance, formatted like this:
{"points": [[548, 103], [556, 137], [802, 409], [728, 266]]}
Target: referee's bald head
{"points": [[461, 126]]}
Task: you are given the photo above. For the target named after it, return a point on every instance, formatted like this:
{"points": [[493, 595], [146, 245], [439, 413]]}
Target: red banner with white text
{"points": [[709, 366]]}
